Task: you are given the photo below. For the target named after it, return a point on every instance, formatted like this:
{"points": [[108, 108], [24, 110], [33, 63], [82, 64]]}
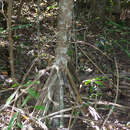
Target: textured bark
{"points": [[53, 90], [64, 27]]}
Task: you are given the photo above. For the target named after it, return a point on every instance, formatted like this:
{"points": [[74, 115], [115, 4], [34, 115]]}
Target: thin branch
{"points": [[10, 3], [96, 48], [116, 97]]}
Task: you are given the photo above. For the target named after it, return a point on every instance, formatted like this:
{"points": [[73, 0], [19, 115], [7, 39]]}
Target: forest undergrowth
{"points": [[100, 65]]}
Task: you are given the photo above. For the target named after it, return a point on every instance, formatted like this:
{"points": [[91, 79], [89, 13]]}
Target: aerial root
{"points": [[52, 93]]}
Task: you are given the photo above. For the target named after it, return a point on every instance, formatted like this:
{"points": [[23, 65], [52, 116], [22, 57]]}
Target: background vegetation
{"points": [[96, 81]]}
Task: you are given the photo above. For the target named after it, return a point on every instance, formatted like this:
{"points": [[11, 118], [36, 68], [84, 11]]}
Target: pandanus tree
{"points": [[60, 77]]}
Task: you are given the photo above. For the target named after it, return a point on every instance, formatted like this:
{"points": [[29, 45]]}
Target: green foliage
{"points": [[54, 6], [1, 30], [14, 85], [96, 80], [19, 125], [122, 29], [91, 89], [12, 120], [117, 26], [80, 37], [47, 123], [87, 104], [111, 3], [8, 101], [26, 100], [1, 67], [125, 3], [28, 83], [126, 49], [75, 113], [70, 51], [21, 26], [32, 92], [36, 82], [92, 86], [39, 107]]}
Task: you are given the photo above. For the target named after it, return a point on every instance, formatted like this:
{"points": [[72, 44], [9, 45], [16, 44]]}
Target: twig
{"points": [[61, 99], [17, 91], [61, 111], [92, 101], [91, 60], [95, 64], [29, 117], [27, 73], [74, 87], [117, 90], [5, 90], [10, 2], [87, 43], [44, 90], [70, 118]]}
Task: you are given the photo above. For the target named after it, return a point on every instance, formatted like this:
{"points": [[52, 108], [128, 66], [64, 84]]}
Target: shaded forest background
{"points": [[98, 68]]}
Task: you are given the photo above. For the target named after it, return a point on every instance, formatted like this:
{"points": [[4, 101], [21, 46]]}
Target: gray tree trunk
{"points": [[63, 39], [53, 90]]}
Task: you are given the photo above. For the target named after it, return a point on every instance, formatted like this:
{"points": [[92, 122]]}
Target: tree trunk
{"points": [[60, 76], [53, 90]]}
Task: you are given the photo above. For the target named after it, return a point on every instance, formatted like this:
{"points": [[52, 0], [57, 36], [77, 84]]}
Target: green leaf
{"points": [[12, 120], [87, 104], [39, 107], [36, 82], [115, 24], [97, 78], [32, 92], [70, 51], [52, 6], [28, 83], [47, 123], [87, 82], [1, 67], [19, 125], [75, 113], [103, 77], [14, 85], [21, 26], [91, 89], [98, 82], [25, 100], [10, 98]]}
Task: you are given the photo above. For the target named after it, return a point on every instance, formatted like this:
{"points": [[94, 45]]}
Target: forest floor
{"points": [[101, 56]]}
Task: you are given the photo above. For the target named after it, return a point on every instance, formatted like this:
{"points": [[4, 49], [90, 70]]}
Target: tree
{"points": [[60, 77]]}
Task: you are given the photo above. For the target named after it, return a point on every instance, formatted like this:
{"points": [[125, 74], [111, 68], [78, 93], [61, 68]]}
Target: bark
{"points": [[60, 77], [53, 90]]}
